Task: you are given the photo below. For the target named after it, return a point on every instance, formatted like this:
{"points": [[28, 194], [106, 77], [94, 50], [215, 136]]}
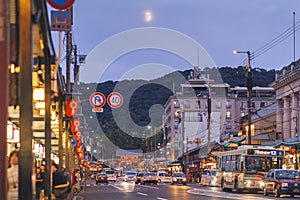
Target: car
{"points": [[111, 175], [208, 177], [101, 178], [179, 177], [163, 177], [149, 177], [282, 181], [129, 176], [139, 176]]}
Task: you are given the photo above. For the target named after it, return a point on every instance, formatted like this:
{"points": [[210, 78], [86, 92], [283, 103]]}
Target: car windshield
{"points": [[286, 174], [150, 174], [110, 172], [178, 175], [130, 173], [262, 164], [213, 173], [101, 175]]}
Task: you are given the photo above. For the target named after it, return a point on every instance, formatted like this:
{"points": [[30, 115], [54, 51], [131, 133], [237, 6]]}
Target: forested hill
{"points": [[140, 96]]}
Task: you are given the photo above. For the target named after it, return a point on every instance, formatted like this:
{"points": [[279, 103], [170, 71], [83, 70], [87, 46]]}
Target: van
{"points": [[163, 177]]}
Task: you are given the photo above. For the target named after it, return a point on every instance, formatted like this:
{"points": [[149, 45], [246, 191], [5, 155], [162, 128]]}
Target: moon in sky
{"points": [[148, 16]]}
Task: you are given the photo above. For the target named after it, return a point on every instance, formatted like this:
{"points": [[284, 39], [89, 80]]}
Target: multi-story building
{"points": [[287, 87], [186, 114]]}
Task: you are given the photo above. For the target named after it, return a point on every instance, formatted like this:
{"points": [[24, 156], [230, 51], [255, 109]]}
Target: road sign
{"points": [[97, 99], [61, 20], [61, 4], [114, 100]]}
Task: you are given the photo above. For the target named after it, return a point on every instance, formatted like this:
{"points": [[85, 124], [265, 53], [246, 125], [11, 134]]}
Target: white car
{"points": [[209, 178], [111, 175], [163, 177], [129, 176]]}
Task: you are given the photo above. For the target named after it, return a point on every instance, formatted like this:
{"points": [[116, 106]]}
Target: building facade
{"points": [[186, 117], [287, 87]]}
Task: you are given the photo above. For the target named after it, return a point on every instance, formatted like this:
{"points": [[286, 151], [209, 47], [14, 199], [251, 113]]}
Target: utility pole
{"points": [[4, 62], [26, 109], [249, 91]]}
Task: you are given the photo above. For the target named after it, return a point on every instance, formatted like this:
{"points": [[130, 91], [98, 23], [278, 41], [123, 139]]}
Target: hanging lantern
{"points": [[75, 125], [80, 155], [292, 150], [77, 136], [78, 143], [71, 107], [78, 149]]}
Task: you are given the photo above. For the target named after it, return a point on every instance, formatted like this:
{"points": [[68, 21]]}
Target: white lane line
{"points": [[160, 198], [221, 195], [142, 194], [117, 187]]}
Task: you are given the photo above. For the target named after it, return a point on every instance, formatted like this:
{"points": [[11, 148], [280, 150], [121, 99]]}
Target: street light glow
{"points": [[148, 16]]}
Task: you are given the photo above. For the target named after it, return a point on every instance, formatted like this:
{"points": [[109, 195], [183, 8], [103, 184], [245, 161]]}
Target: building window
{"points": [[228, 125], [193, 117], [218, 104], [176, 104], [228, 104], [242, 105], [262, 104], [228, 114], [252, 104], [176, 124], [187, 104], [198, 104]]}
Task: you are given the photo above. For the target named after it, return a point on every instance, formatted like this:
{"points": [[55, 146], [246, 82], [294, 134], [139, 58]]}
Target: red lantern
{"points": [[75, 125], [292, 150], [78, 149], [71, 107], [77, 136], [78, 143], [81, 162], [80, 155]]}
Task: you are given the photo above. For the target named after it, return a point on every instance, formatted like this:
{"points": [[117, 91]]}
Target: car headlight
{"points": [[285, 184], [184, 179], [261, 184], [174, 179]]}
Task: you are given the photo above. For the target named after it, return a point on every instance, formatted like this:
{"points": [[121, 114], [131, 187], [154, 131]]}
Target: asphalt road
{"points": [[164, 191]]}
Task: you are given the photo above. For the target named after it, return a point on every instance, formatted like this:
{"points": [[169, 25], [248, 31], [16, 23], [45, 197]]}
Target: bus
{"points": [[246, 167]]}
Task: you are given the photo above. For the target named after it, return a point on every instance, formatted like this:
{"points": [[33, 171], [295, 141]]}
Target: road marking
{"points": [[160, 198], [142, 194], [221, 194], [117, 187]]}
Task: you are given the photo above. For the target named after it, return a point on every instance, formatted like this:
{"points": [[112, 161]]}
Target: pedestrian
{"points": [[13, 176], [39, 178], [60, 186], [77, 181]]}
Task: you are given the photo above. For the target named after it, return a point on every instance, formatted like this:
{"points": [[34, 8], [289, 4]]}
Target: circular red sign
{"points": [[115, 100], [97, 99], [61, 4]]}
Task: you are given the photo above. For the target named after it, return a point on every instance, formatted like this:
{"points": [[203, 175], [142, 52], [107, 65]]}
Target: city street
{"points": [[164, 191]]}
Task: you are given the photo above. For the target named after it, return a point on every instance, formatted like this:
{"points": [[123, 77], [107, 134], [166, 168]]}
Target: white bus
{"points": [[246, 167]]}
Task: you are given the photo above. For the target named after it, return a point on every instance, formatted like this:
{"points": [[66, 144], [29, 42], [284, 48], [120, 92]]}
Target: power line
{"points": [[274, 42]]}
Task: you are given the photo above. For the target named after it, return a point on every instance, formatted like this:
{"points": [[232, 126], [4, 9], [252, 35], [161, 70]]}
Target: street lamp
{"points": [[249, 88]]}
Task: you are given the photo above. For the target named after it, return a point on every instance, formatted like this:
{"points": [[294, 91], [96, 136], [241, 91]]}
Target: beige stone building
{"points": [[287, 87]]}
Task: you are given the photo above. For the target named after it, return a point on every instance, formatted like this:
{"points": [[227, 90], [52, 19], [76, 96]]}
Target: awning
{"points": [[234, 140], [289, 142]]}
